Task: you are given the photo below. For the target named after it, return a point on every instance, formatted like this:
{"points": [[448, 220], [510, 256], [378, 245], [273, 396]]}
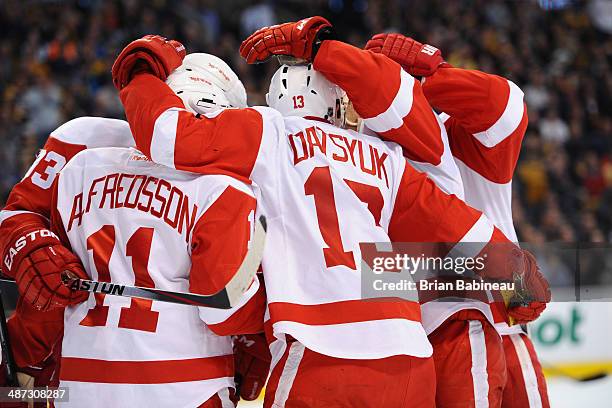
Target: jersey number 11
{"points": [[138, 316]]}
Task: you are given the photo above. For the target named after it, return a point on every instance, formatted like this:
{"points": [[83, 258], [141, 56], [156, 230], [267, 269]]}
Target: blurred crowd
{"points": [[55, 59]]}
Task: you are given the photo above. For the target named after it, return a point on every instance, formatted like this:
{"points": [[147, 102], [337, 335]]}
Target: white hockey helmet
{"points": [[299, 90], [206, 83]]}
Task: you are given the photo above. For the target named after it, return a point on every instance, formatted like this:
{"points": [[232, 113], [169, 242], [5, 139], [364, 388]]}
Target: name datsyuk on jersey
{"points": [[304, 143]]}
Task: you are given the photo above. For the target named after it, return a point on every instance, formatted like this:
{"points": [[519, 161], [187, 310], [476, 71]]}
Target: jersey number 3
{"points": [[53, 162], [138, 316]]}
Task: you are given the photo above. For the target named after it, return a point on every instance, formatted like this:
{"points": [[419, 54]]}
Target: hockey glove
{"points": [[36, 258], [532, 292], [300, 40], [153, 54], [416, 58], [252, 361]]}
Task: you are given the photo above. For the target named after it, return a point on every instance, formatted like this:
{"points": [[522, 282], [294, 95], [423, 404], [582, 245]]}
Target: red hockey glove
{"points": [[416, 58], [504, 261], [252, 361], [528, 313], [151, 53], [299, 39], [36, 258], [532, 295]]}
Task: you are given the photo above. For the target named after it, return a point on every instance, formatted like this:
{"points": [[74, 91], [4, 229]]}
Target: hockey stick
{"points": [[227, 298], [507, 295], [7, 352]]}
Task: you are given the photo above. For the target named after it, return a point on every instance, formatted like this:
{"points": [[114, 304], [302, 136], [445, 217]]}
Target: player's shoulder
{"points": [[211, 183], [130, 160], [102, 157], [92, 132], [373, 139], [267, 113], [273, 121], [257, 113]]}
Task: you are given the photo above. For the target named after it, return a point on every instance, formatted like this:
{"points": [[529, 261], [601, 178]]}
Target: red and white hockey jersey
{"points": [[30, 203], [324, 190], [33, 193], [389, 109], [486, 120], [476, 98], [33, 196], [134, 222]]}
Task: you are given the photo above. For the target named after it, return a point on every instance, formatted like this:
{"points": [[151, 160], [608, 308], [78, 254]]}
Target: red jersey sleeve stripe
{"points": [[396, 108], [226, 142], [476, 99], [481, 231], [509, 120], [444, 117], [359, 73], [393, 117], [487, 106]]}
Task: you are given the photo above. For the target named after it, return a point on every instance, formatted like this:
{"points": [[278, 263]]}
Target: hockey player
{"points": [[306, 170], [486, 119], [221, 208], [37, 324]]}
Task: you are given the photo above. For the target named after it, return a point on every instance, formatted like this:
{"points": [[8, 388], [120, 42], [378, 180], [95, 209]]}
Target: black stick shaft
{"points": [[218, 300], [7, 352]]}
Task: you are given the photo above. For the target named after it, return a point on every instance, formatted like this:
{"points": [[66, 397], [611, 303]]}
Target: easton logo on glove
{"points": [[21, 242]]}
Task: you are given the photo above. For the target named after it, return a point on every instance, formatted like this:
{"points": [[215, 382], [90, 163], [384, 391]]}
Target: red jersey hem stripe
{"points": [[349, 311], [145, 372]]}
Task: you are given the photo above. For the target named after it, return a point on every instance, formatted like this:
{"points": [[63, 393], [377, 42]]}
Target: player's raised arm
{"points": [[389, 99], [485, 118], [484, 114], [381, 92], [486, 105], [225, 142]]}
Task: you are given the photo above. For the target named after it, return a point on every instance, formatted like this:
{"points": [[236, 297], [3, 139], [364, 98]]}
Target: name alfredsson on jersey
{"points": [[113, 191]]}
